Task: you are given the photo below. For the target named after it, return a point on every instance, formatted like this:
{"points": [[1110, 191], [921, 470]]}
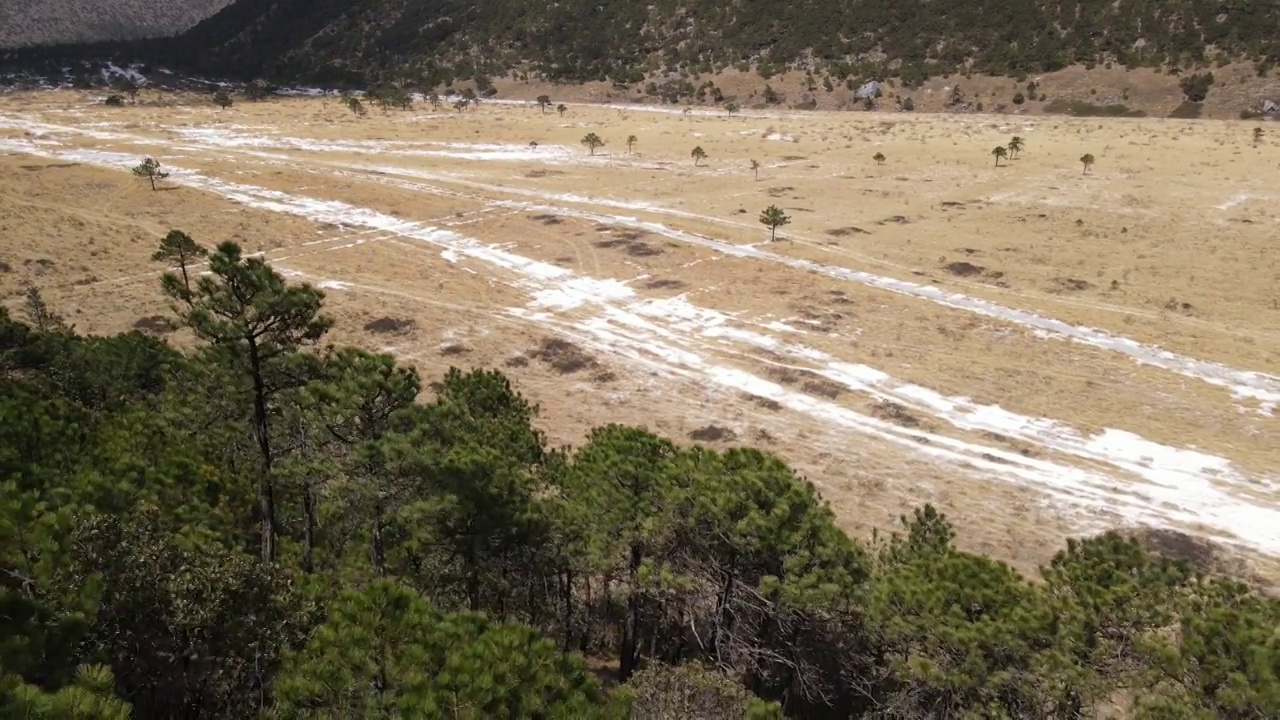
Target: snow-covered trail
{"points": [[1109, 474], [1262, 388]]}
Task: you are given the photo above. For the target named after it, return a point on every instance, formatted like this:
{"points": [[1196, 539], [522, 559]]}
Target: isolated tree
{"points": [[1087, 161], [755, 169], [150, 169], [999, 152], [128, 87], [533, 144], [42, 317], [773, 218], [470, 96], [592, 141], [731, 107], [222, 99], [460, 104], [178, 247], [561, 108], [544, 102], [698, 155], [1257, 135], [1015, 147], [114, 100], [258, 323], [879, 158], [434, 99], [631, 142], [355, 106]]}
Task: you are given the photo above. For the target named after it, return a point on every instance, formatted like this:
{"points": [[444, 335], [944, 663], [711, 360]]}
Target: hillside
{"points": [[843, 40], [43, 22]]}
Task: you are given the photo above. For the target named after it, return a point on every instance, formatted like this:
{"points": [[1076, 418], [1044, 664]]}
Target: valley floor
{"points": [[1039, 352]]}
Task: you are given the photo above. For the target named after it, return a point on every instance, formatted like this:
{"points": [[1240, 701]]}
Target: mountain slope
{"points": [[43, 22], [431, 40]]}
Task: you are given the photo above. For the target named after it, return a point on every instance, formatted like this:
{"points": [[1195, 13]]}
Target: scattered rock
{"points": [[764, 402], [547, 219], [664, 284], [453, 349], [899, 219]]}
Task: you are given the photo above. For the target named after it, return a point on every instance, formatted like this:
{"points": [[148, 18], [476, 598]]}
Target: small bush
{"points": [[114, 101], [1019, 98], [1196, 86]]}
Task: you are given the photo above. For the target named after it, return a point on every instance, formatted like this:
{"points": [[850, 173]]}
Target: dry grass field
{"points": [[1038, 351]]}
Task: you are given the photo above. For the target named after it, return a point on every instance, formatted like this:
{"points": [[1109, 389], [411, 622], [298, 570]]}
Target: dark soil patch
{"points": [[454, 350], [898, 219], [713, 433], [563, 356], [847, 231], [390, 325], [153, 325], [631, 245], [968, 251], [764, 402], [895, 413], [951, 204], [547, 219], [1073, 284], [964, 269], [542, 173], [664, 284], [1179, 546], [779, 191], [793, 158]]}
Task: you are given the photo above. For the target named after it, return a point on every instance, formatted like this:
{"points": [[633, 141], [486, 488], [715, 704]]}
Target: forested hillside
{"points": [[268, 524], [434, 40], [43, 22]]}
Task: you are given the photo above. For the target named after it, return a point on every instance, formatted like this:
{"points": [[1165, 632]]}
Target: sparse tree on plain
{"points": [[42, 317], [592, 141], [561, 108], [434, 99], [1015, 147], [460, 104], [698, 155], [1087, 161], [128, 87], [470, 96], [222, 99], [544, 102], [533, 144], [150, 169], [731, 107], [355, 106], [178, 247], [1000, 153], [631, 143], [879, 158], [773, 218], [755, 169]]}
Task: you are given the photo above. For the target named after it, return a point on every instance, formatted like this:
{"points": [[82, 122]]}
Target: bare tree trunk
{"points": [[627, 661], [379, 557], [309, 529], [261, 432]]}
